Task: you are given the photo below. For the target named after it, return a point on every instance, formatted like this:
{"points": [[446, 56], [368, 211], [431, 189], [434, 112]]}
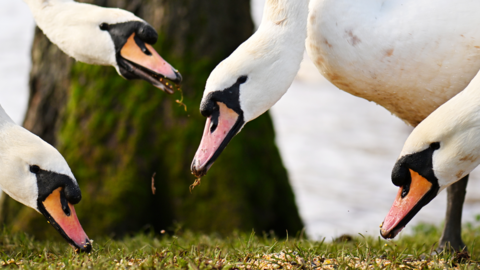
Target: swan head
{"points": [[239, 89], [441, 150], [34, 173], [135, 56], [108, 36]]}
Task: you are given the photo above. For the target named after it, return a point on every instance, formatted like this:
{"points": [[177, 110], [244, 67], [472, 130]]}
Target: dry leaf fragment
{"points": [[180, 102], [153, 183], [196, 183]]}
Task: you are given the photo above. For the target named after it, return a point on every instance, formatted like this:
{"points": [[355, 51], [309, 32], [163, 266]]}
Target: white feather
{"points": [[74, 28]]}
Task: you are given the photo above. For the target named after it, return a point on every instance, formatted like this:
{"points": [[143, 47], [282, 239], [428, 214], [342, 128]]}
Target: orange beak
{"points": [[61, 214], [145, 63], [405, 207], [218, 132]]}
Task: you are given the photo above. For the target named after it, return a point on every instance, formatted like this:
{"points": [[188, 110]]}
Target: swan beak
{"points": [[61, 215], [141, 61], [405, 207], [220, 128]]}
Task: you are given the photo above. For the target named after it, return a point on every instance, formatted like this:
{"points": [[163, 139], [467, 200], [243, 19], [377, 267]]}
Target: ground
{"points": [[178, 249]]}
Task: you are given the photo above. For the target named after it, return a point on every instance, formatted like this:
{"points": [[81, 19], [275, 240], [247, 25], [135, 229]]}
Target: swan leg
{"points": [[452, 232]]}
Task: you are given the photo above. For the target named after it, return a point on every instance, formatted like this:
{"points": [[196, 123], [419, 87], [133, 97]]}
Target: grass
{"points": [[187, 250]]}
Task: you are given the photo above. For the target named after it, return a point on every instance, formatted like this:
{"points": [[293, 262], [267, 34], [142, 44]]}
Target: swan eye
{"points": [[34, 169], [435, 145], [242, 79], [104, 26]]}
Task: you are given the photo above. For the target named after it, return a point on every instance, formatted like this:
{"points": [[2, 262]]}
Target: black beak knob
{"points": [[73, 193], [147, 34]]}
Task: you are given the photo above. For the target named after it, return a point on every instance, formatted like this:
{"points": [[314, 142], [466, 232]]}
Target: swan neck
{"points": [[36, 5], [292, 13], [4, 118]]}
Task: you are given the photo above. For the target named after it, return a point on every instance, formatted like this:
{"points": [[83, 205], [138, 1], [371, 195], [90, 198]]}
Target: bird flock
{"points": [[417, 59]]}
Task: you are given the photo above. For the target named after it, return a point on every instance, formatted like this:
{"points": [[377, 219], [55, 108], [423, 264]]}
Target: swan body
{"points": [[407, 56], [104, 36], [442, 149], [34, 173]]}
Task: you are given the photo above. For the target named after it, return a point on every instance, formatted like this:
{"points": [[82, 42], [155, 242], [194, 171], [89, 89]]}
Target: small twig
{"points": [[153, 183], [196, 183], [180, 102]]}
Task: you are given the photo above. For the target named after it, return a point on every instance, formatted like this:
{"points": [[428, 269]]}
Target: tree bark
{"points": [[115, 134]]}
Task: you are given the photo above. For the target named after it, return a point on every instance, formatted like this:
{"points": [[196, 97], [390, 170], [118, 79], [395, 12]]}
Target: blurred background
{"points": [[338, 150]]}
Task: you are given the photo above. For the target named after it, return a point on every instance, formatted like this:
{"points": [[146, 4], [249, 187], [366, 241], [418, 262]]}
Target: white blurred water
{"points": [[17, 26], [339, 150]]}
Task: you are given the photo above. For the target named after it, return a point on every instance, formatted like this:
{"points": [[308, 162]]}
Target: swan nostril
{"points": [[213, 126], [214, 118], [146, 51], [141, 45], [405, 190], [63, 201]]}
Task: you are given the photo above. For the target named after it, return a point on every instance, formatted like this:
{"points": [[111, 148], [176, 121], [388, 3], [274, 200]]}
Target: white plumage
{"points": [[20, 149], [408, 56], [456, 126], [74, 28]]}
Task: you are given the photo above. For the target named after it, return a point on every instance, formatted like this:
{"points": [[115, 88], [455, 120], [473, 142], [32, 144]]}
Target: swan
{"points": [[105, 36], [441, 150], [35, 174], [409, 56]]}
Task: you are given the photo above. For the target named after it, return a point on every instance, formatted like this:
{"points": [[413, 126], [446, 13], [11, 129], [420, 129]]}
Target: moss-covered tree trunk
{"points": [[116, 134]]}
